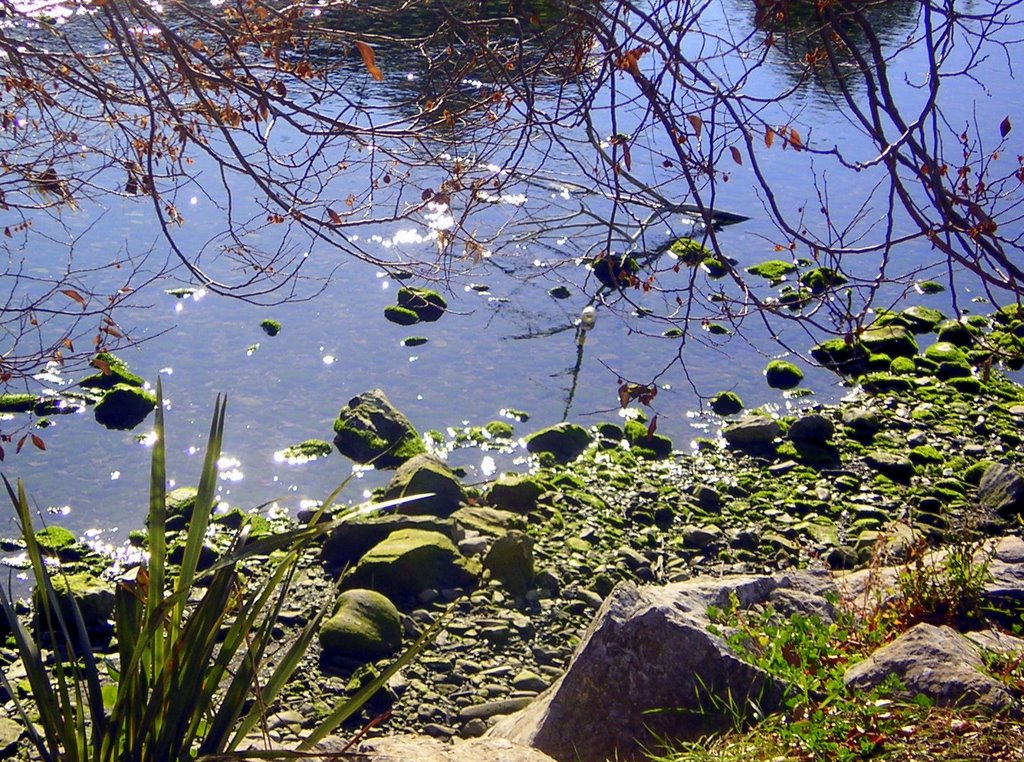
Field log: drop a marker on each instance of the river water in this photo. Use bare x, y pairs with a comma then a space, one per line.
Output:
505, 343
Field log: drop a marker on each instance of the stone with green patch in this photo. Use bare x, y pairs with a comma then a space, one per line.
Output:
369, 429
366, 626
270, 327
409, 561
772, 270
564, 441
424, 474
426, 304
123, 407
726, 403
781, 374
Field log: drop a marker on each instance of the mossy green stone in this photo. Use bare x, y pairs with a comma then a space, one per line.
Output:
929, 287
690, 252
781, 374
715, 267
124, 407
518, 494
902, 366
848, 358
773, 270
500, 429
426, 304
270, 327
409, 561
400, 315
564, 441
17, 403
822, 279
366, 625
55, 540
726, 403
113, 371
944, 351
922, 319
892, 340
957, 333
308, 450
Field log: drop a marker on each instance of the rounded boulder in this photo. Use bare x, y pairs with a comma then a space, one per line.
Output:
366, 626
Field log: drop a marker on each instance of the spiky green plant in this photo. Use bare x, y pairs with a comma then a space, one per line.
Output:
189, 682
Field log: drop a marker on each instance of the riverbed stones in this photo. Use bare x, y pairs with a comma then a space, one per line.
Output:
564, 441
510, 561
425, 475
410, 561
812, 429
366, 626
891, 340
752, 433
413, 748
518, 494
492, 522
93, 597
369, 429
610, 703
427, 305
1001, 490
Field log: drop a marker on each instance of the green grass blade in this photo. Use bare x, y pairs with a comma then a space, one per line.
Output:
203, 507
157, 517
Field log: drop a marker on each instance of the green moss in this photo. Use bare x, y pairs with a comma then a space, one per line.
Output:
615, 272
311, 449
113, 371
124, 407
822, 279
673, 333
516, 415
781, 374
690, 252
181, 293
500, 429
922, 319
848, 358
55, 539
929, 287
902, 366
773, 270
17, 403
715, 268
717, 329
925, 454
726, 403
270, 327
400, 315
428, 305
943, 351
957, 333
414, 341
966, 385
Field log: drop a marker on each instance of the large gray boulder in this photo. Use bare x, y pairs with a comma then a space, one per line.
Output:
646, 669
369, 429
937, 662
410, 561
1001, 490
425, 475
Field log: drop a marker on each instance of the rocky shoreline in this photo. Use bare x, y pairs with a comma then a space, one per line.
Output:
919, 453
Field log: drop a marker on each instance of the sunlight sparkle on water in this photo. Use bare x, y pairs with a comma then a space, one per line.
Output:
487, 466
115, 475
328, 359
230, 468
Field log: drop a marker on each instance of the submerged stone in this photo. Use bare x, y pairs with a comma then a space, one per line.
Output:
113, 371
270, 327
124, 407
400, 315
822, 279
426, 304
17, 403
369, 429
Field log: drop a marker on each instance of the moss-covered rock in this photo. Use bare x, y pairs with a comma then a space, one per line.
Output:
613, 271
93, 597
306, 451
892, 340
773, 270
726, 403
124, 407
17, 403
414, 341
844, 356
822, 279
944, 351
427, 305
645, 444
500, 429
518, 494
957, 333
400, 315
715, 267
929, 287
112, 371
369, 429
690, 252
349, 541
366, 626
270, 327
922, 319
492, 522
781, 374
57, 541
424, 474
510, 561
410, 561
564, 441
